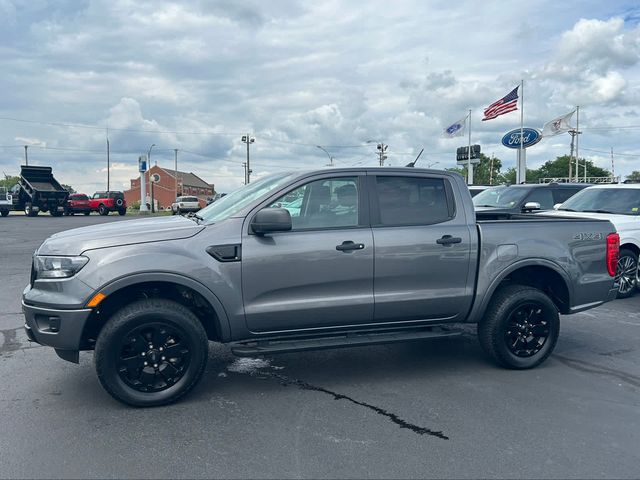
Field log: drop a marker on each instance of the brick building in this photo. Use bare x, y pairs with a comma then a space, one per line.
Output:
164, 191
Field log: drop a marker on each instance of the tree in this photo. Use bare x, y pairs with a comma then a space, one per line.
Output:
634, 176
559, 168
487, 172
9, 181
68, 188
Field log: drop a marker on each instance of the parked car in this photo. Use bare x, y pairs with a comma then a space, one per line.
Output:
77, 203
476, 189
5, 202
185, 205
107, 202
620, 204
506, 200
376, 255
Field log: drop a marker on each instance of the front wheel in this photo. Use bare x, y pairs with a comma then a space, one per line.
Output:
151, 352
4, 213
520, 328
627, 273
88, 212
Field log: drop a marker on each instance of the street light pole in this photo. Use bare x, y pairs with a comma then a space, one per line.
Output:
175, 151
149, 170
26, 157
248, 139
330, 164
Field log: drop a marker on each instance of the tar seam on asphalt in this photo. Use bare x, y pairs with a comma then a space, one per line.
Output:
593, 368
338, 396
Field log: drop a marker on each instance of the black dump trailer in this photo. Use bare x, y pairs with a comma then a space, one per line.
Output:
37, 191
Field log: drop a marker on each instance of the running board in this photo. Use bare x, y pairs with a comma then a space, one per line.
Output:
351, 339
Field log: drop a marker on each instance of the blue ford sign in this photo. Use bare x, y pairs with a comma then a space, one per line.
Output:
530, 137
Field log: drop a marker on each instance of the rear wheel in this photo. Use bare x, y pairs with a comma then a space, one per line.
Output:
88, 212
151, 352
627, 273
520, 328
122, 211
4, 213
102, 210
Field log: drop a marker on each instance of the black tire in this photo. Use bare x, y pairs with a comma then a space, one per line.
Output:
88, 212
102, 210
507, 317
122, 212
627, 273
29, 211
4, 213
55, 213
144, 321
179, 212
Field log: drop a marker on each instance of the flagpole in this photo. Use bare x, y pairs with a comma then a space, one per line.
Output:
469, 166
522, 165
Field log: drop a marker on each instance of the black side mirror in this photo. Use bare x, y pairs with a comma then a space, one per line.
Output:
271, 220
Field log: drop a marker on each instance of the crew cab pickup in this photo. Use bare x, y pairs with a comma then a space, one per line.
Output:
371, 255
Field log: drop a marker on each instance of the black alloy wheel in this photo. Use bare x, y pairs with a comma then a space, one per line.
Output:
151, 352
520, 327
626, 273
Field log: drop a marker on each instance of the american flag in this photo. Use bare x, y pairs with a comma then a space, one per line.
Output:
506, 104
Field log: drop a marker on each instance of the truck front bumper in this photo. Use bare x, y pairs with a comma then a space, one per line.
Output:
60, 329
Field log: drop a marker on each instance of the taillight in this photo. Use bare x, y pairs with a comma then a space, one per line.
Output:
613, 249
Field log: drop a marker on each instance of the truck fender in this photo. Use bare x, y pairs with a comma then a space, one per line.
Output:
480, 307
145, 277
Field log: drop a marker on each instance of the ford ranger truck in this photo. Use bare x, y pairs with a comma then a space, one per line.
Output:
370, 256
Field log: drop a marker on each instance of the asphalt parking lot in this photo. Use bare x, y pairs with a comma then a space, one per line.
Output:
430, 409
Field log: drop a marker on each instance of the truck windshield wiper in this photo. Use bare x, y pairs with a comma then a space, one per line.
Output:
597, 211
195, 216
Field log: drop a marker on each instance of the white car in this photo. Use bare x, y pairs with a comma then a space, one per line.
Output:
620, 204
185, 205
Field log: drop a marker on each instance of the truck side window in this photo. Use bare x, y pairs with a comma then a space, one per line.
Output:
412, 200
326, 203
561, 195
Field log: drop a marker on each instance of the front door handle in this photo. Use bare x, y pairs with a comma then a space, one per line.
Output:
349, 245
448, 240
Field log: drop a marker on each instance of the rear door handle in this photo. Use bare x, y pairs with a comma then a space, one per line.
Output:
447, 240
349, 245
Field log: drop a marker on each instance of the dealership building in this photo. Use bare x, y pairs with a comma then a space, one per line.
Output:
164, 189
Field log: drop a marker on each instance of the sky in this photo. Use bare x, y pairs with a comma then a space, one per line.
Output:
345, 75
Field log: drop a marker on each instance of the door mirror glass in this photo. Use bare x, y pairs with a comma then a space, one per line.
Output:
270, 220
531, 206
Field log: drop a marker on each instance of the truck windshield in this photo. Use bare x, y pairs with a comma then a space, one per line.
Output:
231, 204
621, 201
500, 197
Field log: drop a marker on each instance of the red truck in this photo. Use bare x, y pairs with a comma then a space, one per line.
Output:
106, 202
77, 203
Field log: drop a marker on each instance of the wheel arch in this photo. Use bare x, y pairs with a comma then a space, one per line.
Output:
630, 246
538, 273
187, 291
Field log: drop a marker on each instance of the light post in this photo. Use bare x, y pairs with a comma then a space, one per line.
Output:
429, 165
175, 151
330, 164
382, 148
149, 170
248, 139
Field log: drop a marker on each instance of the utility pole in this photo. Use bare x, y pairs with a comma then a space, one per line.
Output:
108, 166
613, 170
574, 133
491, 170
382, 148
248, 139
175, 151
26, 157
244, 168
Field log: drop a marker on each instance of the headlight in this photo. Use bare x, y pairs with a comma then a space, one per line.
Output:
57, 267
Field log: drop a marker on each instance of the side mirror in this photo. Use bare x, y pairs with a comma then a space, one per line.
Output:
531, 206
271, 220
557, 206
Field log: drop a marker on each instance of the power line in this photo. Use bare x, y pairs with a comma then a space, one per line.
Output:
609, 152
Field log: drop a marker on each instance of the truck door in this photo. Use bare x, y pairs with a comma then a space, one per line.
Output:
319, 274
423, 249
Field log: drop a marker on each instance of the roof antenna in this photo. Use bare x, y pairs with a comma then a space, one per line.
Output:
413, 164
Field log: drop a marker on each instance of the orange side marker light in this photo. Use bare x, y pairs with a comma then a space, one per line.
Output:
95, 301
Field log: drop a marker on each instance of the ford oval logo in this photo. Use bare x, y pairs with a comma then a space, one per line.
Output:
530, 136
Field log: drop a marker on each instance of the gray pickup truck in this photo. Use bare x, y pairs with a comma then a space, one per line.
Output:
309, 260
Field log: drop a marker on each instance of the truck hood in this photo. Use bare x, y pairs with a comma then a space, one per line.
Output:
114, 234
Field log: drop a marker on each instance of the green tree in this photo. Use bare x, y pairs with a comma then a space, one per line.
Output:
634, 176
68, 188
559, 168
487, 172
9, 181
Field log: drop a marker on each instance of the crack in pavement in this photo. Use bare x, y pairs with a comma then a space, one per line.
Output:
593, 368
286, 381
